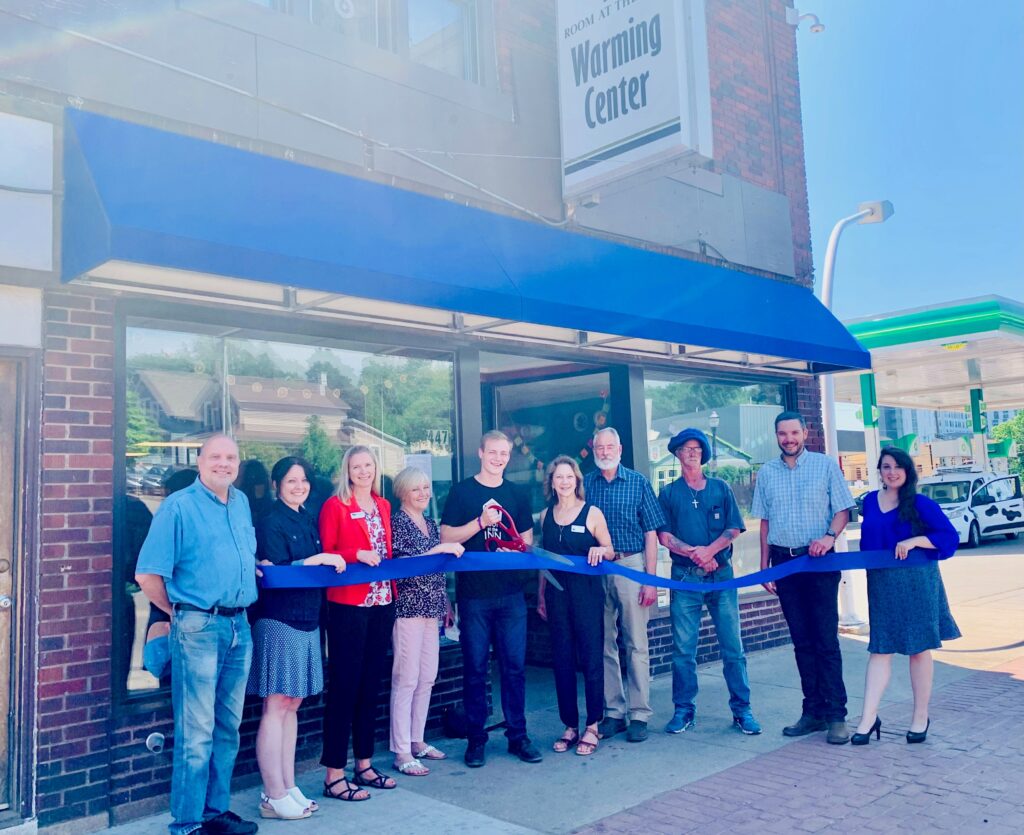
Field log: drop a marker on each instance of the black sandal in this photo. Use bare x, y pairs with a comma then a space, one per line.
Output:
378, 782
348, 794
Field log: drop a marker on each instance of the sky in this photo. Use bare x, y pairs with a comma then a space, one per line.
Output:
919, 102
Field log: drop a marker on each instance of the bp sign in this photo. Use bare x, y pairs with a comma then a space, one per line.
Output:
633, 87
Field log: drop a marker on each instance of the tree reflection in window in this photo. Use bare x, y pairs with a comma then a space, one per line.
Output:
275, 398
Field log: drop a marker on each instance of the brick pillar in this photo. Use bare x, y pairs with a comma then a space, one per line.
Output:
75, 558
808, 403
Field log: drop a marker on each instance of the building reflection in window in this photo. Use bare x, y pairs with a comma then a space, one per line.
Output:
743, 440
275, 398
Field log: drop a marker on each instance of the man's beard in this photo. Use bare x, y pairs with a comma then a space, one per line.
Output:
607, 463
795, 453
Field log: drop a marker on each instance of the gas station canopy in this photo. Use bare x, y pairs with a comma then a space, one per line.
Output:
932, 357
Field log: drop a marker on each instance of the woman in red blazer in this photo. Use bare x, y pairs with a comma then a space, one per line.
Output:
356, 523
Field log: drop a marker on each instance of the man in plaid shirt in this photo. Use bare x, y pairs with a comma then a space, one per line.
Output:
634, 516
804, 504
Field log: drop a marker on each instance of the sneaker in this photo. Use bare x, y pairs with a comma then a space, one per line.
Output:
682, 720
475, 755
525, 750
228, 823
805, 725
748, 724
611, 725
637, 731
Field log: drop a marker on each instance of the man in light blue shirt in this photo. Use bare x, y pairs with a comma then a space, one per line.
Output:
198, 564
804, 504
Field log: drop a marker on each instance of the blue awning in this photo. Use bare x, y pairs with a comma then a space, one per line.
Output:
144, 196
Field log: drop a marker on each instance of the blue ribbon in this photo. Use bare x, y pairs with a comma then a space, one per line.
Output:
323, 576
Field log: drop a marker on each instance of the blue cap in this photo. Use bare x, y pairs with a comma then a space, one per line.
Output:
691, 434
156, 656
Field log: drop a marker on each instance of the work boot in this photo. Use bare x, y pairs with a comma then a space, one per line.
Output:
805, 725
637, 730
838, 733
611, 725
475, 755
525, 750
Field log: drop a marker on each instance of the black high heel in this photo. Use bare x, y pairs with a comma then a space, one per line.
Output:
876, 729
919, 736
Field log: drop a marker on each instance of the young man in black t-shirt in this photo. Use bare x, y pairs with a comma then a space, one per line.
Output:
491, 603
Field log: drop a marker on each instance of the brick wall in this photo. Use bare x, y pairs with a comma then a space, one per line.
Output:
75, 558
808, 403
755, 107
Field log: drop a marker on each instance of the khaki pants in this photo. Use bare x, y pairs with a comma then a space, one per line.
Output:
621, 605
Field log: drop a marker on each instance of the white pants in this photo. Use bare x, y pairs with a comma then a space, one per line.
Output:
416, 645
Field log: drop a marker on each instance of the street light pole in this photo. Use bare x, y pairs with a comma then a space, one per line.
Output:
876, 212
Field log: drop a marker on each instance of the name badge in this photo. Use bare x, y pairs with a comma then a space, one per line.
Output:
359, 515
578, 529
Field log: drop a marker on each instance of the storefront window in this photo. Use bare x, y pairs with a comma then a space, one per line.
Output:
275, 398
739, 420
435, 33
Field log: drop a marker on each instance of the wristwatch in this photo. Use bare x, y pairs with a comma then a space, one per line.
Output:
832, 533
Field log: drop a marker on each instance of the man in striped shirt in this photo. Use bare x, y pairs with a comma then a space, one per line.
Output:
804, 504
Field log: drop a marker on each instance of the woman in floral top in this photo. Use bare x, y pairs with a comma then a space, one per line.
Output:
356, 523
422, 602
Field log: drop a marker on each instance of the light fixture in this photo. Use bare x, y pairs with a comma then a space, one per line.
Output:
794, 18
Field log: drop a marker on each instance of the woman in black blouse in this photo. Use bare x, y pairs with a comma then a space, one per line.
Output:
422, 603
286, 664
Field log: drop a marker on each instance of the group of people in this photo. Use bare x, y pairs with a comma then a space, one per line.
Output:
200, 561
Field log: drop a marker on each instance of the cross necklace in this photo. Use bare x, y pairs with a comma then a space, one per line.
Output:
693, 493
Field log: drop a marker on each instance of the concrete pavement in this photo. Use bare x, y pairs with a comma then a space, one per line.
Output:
715, 779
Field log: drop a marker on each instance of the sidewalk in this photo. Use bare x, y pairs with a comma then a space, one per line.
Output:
714, 779
968, 776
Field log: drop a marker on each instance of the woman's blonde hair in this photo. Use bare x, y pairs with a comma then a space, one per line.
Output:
344, 485
409, 479
549, 490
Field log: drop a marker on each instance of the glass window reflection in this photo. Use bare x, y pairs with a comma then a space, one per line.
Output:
275, 398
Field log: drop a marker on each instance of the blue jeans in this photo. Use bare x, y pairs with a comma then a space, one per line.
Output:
501, 621
210, 657
724, 608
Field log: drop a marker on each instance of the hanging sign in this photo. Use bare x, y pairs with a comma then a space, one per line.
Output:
633, 85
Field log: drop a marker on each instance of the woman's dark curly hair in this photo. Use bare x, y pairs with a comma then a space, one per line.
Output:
907, 508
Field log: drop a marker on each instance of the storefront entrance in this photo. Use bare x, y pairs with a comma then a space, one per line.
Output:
547, 408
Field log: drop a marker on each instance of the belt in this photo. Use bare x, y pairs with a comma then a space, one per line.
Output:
788, 552
226, 611
621, 555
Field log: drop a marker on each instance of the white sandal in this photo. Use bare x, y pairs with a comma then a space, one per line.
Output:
302, 800
412, 768
283, 808
429, 752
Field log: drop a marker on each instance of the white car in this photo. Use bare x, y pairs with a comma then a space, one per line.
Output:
979, 504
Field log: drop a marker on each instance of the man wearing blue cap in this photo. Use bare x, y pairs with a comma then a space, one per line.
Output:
703, 520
